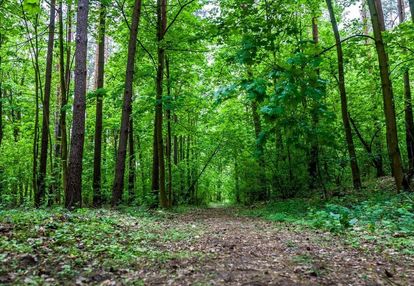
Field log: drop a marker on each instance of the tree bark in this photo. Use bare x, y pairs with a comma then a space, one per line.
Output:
411, 4
159, 145
408, 110
388, 98
41, 179
99, 84
118, 185
141, 165
131, 171
314, 150
169, 136
74, 185
356, 178
381, 18
65, 86
1, 93
262, 195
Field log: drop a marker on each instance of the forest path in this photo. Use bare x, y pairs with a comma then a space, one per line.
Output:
237, 250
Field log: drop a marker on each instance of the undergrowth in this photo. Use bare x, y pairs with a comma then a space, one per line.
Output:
45, 246
383, 217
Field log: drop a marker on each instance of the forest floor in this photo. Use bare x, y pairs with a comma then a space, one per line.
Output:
198, 247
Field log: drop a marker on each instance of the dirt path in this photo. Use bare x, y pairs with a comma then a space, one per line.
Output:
246, 251
201, 247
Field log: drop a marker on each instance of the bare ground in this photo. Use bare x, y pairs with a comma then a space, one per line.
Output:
222, 248
246, 251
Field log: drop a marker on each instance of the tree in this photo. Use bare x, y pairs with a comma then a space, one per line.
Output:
41, 183
411, 4
99, 84
1, 93
388, 96
131, 172
408, 110
314, 149
127, 106
64, 72
356, 178
74, 184
159, 162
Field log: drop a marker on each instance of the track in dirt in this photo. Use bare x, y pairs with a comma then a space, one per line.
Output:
201, 247
247, 251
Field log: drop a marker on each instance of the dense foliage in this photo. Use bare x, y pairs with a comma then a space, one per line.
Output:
222, 101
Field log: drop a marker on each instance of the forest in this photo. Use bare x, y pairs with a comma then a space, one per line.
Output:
206, 142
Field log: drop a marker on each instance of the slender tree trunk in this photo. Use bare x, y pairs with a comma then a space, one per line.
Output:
187, 161
99, 84
131, 172
408, 110
141, 160
237, 180
181, 165
169, 137
74, 184
35, 148
314, 150
161, 28
1, 112
55, 188
262, 196
411, 4
118, 185
1, 93
65, 86
41, 180
34, 48
388, 96
176, 155
155, 162
356, 178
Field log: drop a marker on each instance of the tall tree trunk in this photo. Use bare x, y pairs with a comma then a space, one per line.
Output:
176, 144
41, 180
408, 110
64, 86
161, 28
169, 137
55, 188
262, 196
388, 97
181, 164
99, 84
187, 161
34, 48
356, 178
131, 171
118, 185
314, 150
155, 169
74, 184
1, 93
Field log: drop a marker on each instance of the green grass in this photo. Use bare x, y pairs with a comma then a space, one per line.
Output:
383, 217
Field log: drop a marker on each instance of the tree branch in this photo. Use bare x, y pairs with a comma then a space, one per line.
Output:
344, 40
178, 14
